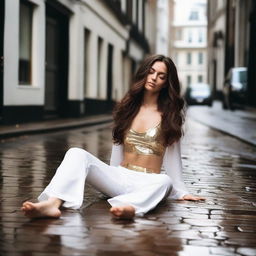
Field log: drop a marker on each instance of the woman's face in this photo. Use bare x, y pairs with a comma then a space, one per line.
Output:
157, 77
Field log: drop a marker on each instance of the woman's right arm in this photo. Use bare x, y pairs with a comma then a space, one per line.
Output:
117, 155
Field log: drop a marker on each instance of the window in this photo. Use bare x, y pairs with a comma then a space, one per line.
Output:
189, 37
87, 35
129, 9
193, 15
178, 34
200, 79
200, 37
100, 45
176, 58
188, 80
118, 4
25, 43
200, 58
189, 58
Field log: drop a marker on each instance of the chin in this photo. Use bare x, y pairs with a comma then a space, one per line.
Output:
150, 89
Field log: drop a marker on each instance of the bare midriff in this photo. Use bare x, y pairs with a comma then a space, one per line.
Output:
150, 162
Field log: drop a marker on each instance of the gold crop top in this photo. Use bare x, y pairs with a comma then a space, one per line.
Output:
144, 143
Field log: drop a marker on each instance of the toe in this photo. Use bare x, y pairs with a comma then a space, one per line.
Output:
28, 207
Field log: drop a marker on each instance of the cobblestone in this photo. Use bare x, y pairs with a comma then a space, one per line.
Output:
216, 166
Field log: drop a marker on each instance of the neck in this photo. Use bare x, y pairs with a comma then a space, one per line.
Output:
150, 100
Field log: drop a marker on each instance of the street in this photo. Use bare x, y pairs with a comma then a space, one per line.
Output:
216, 166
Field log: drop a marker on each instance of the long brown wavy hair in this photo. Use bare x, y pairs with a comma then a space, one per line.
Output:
170, 103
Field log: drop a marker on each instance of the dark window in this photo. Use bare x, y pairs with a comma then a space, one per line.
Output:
118, 3
137, 13
109, 72
200, 58
189, 58
189, 37
200, 79
143, 16
188, 80
129, 7
25, 43
100, 44
87, 34
200, 37
193, 15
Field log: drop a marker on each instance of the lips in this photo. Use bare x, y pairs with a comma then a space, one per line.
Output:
151, 84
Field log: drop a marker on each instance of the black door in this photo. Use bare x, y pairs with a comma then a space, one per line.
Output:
251, 91
52, 65
1, 53
214, 78
56, 62
109, 74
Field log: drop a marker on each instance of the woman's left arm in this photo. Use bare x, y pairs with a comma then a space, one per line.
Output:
173, 166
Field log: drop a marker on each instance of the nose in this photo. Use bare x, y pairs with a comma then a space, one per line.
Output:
154, 76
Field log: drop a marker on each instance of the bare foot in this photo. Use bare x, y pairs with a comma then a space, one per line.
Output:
44, 209
123, 212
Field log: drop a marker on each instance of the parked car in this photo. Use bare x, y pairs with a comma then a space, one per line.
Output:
234, 88
199, 93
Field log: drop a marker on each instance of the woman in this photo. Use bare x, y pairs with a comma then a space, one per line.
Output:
146, 135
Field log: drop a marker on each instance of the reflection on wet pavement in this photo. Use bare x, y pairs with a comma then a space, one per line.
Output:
216, 166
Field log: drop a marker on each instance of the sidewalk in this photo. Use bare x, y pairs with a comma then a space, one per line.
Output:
52, 125
239, 123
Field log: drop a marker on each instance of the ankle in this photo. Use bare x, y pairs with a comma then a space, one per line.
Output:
56, 202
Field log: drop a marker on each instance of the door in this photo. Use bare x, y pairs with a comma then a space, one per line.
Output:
1, 53
52, 66
214, 78
110, 71
56, 68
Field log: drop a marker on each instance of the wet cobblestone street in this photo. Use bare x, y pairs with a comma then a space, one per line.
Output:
216, 166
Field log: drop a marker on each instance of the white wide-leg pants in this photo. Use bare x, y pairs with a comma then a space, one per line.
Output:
125, 187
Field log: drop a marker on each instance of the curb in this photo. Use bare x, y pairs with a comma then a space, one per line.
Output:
225, 132
56, 127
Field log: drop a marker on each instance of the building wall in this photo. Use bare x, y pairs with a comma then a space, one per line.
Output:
162, 27
150, 23
15, 94
216, 44
94, 28
189, 40
231, 31
195, 70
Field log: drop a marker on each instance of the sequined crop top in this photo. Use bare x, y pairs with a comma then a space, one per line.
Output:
144, 143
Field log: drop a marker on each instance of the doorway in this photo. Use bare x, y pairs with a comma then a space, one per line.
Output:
56, 69
110, 73
2, 6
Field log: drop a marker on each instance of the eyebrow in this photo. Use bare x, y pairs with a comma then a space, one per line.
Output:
159, 72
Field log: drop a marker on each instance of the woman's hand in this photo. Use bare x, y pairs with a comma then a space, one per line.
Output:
192, 198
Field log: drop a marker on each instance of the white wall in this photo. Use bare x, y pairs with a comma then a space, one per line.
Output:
100, 23
32, 94
162, 45
86, 14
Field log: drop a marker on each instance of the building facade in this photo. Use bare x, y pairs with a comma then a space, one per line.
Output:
232, 42
188, 40
162, 31
69, 58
